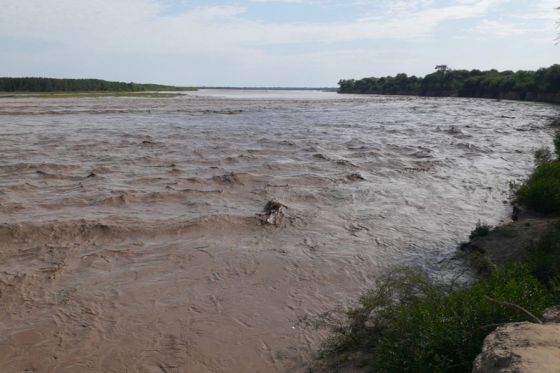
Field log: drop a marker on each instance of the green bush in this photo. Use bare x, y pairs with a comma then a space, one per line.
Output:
542, 155
544, 259
480, 230
446, 335
541, 192
412, 324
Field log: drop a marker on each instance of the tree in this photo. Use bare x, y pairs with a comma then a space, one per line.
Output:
442, 68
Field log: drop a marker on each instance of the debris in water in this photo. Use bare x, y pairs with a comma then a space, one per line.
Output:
230, 179
355, 177
273, 213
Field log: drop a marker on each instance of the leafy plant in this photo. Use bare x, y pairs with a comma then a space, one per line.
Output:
411, 323
444, 334
542, 155
480, 230
544, 258
541, 192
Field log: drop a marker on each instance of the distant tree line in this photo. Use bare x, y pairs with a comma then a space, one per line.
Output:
77, 85
540, 85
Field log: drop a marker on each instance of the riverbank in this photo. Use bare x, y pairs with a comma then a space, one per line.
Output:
147, 94
536, 86
509, 242
412, 322
50, 85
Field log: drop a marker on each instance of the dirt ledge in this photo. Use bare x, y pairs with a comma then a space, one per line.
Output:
509, 242
521, 348
517, 347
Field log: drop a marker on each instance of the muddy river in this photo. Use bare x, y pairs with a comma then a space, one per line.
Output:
130, 236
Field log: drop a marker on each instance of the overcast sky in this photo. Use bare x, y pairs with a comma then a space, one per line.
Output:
270, 42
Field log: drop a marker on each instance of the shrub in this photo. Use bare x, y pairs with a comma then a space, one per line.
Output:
412, 324
542, 155
555, 122
541, 192
513, 189
544, 259
446, 335
480, 230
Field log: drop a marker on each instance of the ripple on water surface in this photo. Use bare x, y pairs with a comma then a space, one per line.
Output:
133, 220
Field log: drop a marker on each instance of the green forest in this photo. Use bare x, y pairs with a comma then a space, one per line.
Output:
78, 85
540, 85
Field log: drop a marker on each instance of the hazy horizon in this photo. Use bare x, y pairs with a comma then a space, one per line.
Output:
271, 43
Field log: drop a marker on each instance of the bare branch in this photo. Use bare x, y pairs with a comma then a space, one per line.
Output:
517, 307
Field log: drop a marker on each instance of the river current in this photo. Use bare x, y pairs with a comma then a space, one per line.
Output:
130, 237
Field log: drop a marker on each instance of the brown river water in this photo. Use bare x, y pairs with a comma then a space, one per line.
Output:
129, 238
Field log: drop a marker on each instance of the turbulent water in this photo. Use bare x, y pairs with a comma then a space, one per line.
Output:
129, 238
